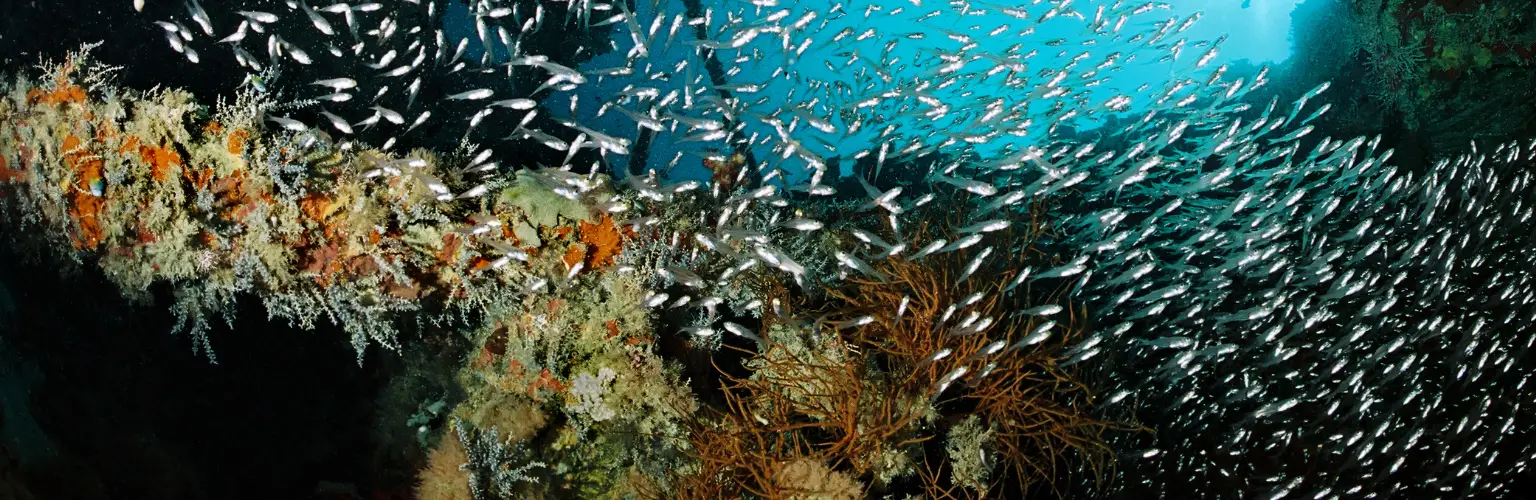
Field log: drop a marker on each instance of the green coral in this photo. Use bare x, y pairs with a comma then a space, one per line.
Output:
540, 207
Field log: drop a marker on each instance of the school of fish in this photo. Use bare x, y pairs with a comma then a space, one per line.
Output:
1294, 316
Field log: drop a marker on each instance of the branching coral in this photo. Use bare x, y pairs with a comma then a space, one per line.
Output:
864, 387
798, 408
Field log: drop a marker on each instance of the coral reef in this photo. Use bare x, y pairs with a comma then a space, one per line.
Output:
573, 383
156, 191
575, 376
867, 395
1448, 72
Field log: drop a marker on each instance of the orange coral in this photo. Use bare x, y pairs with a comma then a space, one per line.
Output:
63, 91
160, 159
60, 94
402, 290
236, 142
558, 232
315, 206
79, 159
603, 242
87, 211
144, 235
199, 178
234, 199
494, 348
319, 208
450, 251
574, 255
130, 144
324, 261
8, 175
86, 206
546, 380
25, 156
726, 170
105, 131
361, 265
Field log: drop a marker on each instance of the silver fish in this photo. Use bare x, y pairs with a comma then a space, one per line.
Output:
472, 95
259, 17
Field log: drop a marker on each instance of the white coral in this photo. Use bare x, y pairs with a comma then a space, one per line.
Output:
967, 449
588, 391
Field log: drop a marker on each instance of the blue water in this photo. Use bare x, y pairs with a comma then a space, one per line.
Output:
1257, 34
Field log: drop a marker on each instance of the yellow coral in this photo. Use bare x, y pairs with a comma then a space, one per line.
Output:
514, 416
441, 479
807, 479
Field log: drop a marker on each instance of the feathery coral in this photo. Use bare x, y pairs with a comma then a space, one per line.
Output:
441, 479
806, 479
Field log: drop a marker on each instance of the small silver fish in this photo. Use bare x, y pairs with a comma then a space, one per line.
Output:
1070, 269
336, 84
288, 123
1168, 342
937, 355
420, 119
472, 95
199, 15
961, 243
389, 114
653, 299
857, 264
1045, 310
740, 331
314, 18
258, 16
985, 226
516, 103
682, 276
338, 122
1035, 336
802, 224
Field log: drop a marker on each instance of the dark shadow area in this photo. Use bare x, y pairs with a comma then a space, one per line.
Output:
131, 412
